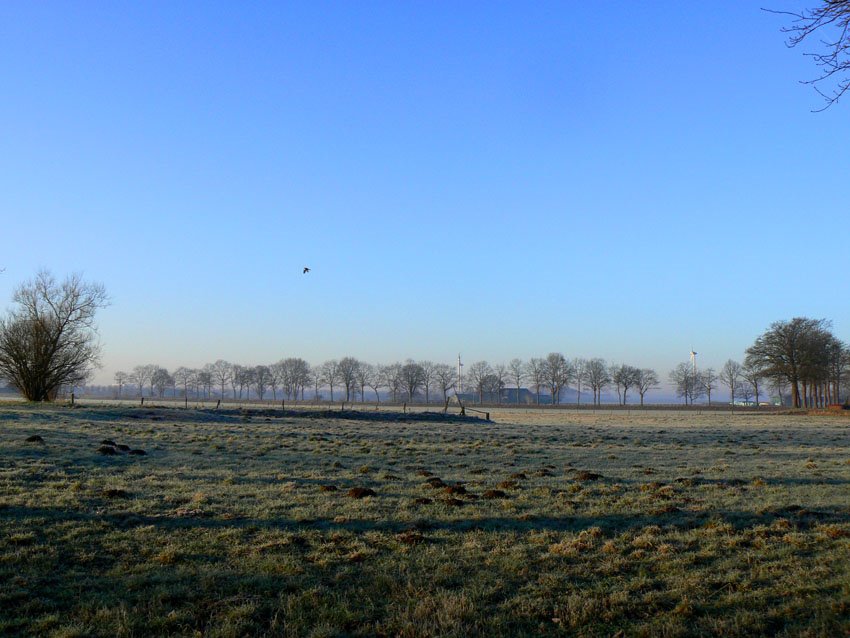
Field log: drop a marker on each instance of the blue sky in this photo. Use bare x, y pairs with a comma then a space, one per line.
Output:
501, 179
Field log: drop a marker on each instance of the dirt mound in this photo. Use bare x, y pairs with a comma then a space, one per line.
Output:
35, 438
587, 476
137, 453
360, 492
107, 450
491, 494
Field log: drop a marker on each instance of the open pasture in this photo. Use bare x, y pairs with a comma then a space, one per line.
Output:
238, 523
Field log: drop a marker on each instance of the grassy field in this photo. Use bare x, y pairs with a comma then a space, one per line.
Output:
539, 523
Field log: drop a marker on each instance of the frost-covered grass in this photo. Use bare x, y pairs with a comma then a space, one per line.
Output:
238, 523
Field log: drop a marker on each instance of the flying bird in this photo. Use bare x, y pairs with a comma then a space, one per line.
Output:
306, 270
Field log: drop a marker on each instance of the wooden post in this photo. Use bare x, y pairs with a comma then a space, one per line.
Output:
143, 401
72, 398
217, 404
404, 407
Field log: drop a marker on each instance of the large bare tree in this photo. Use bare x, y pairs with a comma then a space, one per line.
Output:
828, 24
50, 339
796, 350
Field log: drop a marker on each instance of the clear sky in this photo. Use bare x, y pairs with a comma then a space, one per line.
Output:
500, 179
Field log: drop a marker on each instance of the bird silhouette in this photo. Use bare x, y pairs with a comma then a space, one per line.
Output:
306, 270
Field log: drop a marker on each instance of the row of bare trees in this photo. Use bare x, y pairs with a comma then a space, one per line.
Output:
554, 374
801, 357
350, 379
798, 359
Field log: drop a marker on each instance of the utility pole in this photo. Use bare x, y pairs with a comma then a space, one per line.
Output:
459, 375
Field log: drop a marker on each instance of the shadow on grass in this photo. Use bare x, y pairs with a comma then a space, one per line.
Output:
740, 520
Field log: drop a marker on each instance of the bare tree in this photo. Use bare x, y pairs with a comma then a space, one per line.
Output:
50, 339
221, 373
249, 379
598, 378
687, 384
375, 381
347, 371
184, 377
730, 375
141, 375
791, 349
516, 367
501, 376
646, 379
536, 375
427, 378
277, 373
556, 373
446, 377
363, 377
709, 379
262, 378
745, 392
330, 375
121, 379
237, 378
160, 381
391, 379
477, 373
205, 379
754, 377
624, 376
831, 21
412, 378
302, 374
579, 374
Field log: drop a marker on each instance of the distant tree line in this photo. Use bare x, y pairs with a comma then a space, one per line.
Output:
799, 361
350, 379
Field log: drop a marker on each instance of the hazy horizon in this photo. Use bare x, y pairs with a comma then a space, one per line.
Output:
612, 180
